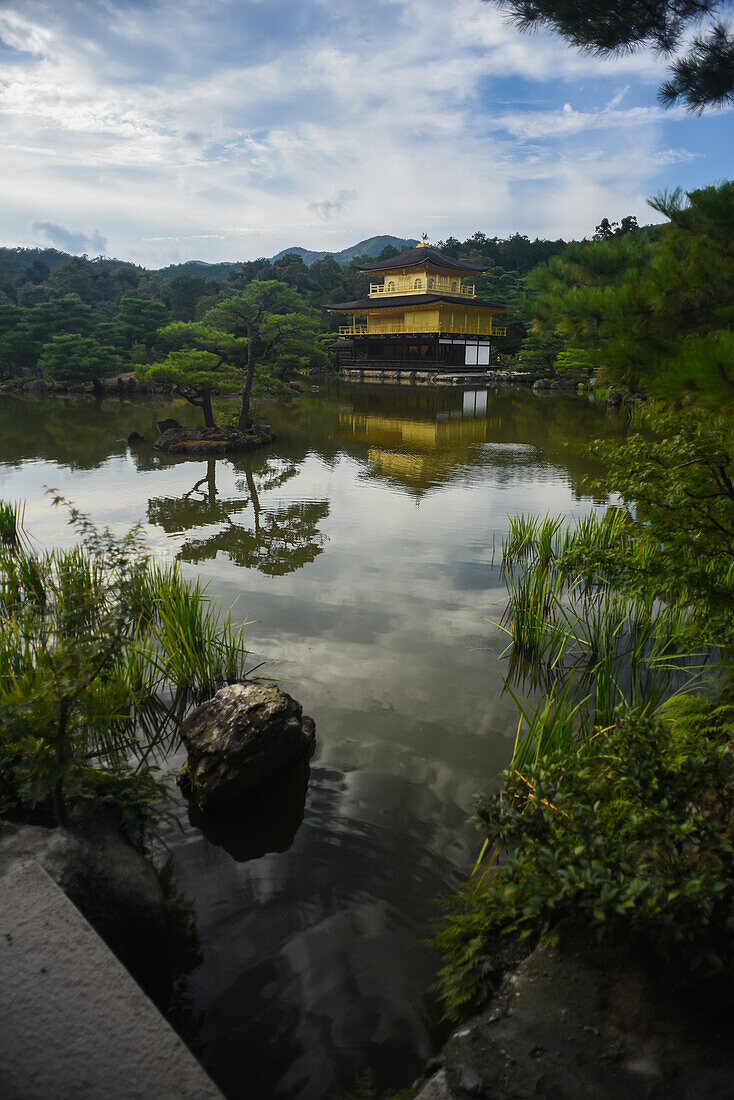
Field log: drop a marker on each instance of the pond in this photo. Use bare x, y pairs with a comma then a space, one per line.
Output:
361, 546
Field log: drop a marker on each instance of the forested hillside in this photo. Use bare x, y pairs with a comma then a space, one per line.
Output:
72, 318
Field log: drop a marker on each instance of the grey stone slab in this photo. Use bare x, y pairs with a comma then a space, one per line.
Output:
436, 1089
73, 1023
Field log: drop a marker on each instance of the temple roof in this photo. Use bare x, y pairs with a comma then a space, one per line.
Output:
419, 257
398, 300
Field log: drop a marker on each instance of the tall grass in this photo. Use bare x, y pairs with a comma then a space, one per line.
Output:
101, 653
582, 642
11, 524
178, 624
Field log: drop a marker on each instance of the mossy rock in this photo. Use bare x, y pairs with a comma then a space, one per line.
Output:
214, 441
240, 739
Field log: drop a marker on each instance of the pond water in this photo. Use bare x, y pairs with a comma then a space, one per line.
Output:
361, 545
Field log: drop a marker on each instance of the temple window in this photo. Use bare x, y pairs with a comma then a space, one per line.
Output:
431, 284
418, 284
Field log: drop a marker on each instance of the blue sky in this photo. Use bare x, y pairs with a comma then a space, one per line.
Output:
165, 130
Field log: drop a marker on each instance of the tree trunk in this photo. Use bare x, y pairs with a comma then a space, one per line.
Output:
59, 804
243, 420
206, 404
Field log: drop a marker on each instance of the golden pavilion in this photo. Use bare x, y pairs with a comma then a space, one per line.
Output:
422, 315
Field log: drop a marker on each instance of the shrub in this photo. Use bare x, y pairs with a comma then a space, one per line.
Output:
632, 833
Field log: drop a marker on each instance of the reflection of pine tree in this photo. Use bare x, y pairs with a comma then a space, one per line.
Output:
280, 539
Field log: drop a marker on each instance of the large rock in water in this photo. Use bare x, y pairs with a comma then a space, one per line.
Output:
213, 441
238, 739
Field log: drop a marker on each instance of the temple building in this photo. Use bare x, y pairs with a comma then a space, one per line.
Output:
422, 315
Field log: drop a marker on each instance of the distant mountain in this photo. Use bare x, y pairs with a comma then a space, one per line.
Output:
373, 246
14, 261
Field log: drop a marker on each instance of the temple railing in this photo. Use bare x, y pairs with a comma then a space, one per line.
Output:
431, 285
386, 328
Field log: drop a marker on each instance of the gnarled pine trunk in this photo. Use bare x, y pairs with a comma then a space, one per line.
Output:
243, 419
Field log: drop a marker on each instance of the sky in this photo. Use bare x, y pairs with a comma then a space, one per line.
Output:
159, 131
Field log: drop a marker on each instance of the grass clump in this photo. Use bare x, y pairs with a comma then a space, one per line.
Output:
11, 524
580, 643
101, 653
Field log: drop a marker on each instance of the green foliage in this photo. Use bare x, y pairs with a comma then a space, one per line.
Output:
68, 314
617, 809
140, 319
704, 76
679, 476
538, 352
281, 326
591, 642
591, 296
280, 329
606, 230
207, 360
18, 351
139, 799
73, 358
632, 832
654, 315
574, 361
249, 340
100, 653
11, 525
516, 253
125, 307
186, 288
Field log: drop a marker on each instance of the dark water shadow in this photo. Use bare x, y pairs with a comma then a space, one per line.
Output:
265, 820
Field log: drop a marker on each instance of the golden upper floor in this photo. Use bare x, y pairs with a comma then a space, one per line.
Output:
421, 282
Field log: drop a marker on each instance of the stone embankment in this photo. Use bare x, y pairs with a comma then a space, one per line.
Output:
111, 883
72, 1020
437, 378
580, 1019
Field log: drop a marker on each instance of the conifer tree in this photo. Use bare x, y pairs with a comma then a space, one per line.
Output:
206, 361
655, 315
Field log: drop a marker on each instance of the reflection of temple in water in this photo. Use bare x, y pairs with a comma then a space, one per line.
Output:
474, 404
421, 453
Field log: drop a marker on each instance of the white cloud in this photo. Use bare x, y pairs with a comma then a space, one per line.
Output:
569, 121
165, 124
328, 209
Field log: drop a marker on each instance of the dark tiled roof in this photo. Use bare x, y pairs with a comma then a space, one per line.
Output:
421, 256
392, 300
